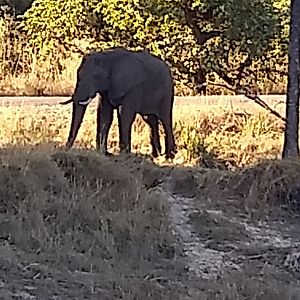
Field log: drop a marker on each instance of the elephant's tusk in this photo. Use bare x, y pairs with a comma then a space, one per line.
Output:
86, 102
97, 97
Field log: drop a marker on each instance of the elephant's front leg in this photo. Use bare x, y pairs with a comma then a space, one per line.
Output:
104, 121
126, 118
119, 110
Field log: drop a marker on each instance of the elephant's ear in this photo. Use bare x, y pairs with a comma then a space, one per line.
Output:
98, 74
126, 73
92, 78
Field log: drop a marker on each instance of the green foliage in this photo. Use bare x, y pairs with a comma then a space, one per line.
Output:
47, 20
109, 23
191, 140
250, 32
251, 35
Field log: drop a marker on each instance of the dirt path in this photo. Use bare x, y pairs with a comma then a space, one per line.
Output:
221, 247
201, 261
202, 100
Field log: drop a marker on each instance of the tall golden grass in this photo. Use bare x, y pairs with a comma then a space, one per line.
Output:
229, 138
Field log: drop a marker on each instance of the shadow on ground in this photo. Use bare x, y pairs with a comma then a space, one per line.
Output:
85, 226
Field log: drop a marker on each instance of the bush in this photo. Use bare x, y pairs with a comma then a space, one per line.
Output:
93, 25
54, 32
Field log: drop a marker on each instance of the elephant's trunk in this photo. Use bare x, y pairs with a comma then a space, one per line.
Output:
77, 117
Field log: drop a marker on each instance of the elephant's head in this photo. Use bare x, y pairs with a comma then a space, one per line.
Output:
110, 75
92, 81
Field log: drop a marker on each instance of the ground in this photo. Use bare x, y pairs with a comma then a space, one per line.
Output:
79, 225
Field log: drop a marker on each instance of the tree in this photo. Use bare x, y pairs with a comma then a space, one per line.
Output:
291, 135
239, 41
97, 25
243, 39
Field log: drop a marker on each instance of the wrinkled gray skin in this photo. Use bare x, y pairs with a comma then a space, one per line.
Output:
132, 82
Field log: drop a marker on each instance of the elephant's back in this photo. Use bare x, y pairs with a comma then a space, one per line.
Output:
157, 72
153, 63
158, 85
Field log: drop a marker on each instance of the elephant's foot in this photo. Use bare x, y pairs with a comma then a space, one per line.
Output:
103, 151
67, 148
154, 154
125, 153
124, 149
106, 153
171, 154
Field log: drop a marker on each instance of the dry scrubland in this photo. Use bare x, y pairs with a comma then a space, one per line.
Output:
79, 225
205, 134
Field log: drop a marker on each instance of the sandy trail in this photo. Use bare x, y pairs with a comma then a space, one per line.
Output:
208, 260
233, 101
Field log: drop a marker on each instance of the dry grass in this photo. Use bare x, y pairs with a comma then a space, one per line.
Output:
81, 226
235, 139
263, 186
78, 225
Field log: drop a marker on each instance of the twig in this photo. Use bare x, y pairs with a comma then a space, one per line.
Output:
250, 96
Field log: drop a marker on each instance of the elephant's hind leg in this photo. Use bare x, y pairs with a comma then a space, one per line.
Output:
104, 121
169, 137
152, 121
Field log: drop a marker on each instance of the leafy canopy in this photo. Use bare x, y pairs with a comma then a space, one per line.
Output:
234, 39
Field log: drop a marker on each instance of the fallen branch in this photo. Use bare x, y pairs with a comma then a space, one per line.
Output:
249, 95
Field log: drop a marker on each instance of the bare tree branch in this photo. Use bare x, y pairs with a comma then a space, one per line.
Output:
202, 37
225, 77
251, 96
247, 63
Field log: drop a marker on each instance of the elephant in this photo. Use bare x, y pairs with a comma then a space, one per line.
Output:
133, 82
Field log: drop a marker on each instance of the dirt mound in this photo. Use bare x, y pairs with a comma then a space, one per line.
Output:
86, 226
270, 182
77, 224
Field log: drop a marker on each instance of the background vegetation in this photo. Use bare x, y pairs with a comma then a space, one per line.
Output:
241, 44
219, 138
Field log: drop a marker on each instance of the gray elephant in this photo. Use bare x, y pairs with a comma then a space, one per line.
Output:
131, 82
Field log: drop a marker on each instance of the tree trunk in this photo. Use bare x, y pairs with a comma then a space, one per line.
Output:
291, 135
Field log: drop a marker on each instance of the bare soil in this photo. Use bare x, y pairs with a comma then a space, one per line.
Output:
77, 225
